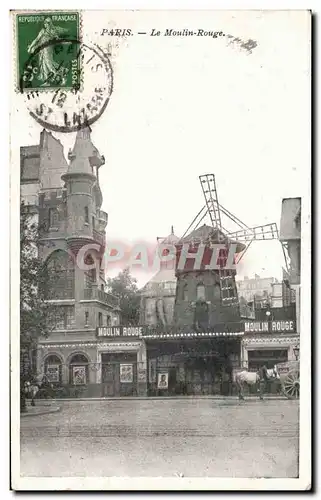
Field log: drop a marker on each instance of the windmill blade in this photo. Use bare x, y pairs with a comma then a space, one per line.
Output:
210, 194
265, 232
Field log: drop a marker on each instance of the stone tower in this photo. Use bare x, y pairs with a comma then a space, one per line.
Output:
84, 197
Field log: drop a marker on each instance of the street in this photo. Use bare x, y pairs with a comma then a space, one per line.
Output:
193, 437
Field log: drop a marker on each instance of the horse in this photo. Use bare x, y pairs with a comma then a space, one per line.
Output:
253, 378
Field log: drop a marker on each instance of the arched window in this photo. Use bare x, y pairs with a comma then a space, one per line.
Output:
185, 293
53, 369
60, 279
78, 370
200, 292
90, 274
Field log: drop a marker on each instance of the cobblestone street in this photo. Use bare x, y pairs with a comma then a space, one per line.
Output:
194, 437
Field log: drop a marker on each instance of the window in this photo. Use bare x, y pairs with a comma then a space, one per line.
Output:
53, 370
60, 279
100, 319
102, 288
53, 217
86, 215
64, 317
86, 318
93, 222
108, 320
185, 293
90, 275
200, 292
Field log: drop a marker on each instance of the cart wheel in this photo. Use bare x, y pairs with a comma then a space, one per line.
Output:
291, 385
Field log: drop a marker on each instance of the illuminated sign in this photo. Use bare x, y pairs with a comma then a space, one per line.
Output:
288, 326
150, 333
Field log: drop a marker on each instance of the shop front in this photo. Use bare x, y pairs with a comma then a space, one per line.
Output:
269, 343
195, 364
112, 365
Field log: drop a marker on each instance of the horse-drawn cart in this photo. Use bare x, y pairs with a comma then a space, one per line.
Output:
290, 378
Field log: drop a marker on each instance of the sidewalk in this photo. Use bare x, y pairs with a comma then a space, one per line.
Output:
41, 408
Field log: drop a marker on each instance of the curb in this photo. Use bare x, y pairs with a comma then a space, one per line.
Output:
41, 412
169, 398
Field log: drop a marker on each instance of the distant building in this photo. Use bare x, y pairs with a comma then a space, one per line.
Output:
256, 290
290, 236
158, 295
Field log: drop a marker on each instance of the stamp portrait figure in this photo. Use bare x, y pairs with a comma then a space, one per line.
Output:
49, 69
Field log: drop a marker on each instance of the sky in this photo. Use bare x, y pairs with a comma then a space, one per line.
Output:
183, 107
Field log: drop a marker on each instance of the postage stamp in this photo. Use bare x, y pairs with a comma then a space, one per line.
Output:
47, 50
66, 83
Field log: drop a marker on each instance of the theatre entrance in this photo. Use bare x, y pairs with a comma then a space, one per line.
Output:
192, 367
118, 374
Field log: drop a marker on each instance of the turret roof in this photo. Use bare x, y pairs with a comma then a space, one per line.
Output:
82, 151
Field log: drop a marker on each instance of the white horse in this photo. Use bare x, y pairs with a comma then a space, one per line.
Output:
264, 374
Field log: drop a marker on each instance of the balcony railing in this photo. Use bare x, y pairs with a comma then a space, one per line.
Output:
103, 216
96, 294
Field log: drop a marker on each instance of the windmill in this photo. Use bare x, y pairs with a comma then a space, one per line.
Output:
227, 228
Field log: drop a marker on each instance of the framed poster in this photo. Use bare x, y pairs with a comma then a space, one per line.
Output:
126, 374
79, 375
52, 373
162, 382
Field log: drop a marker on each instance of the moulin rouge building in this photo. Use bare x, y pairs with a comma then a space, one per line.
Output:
198, 334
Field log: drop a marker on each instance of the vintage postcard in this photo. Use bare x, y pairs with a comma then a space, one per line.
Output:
160, 250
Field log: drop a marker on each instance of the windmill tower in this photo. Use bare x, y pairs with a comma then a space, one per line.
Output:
207, 298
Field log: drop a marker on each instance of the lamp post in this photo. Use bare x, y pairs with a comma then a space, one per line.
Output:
269, 318
296, 350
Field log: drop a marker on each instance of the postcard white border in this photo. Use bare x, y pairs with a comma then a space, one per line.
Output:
164, 483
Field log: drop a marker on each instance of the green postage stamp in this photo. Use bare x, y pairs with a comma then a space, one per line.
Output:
48, 55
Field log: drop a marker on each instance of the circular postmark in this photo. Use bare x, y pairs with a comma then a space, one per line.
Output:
76, 94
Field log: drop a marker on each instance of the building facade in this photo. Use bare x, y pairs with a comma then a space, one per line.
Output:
66, 199
196, 353
191, 333
274, 336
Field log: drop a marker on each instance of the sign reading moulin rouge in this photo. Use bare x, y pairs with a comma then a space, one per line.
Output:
270, 326
120, 331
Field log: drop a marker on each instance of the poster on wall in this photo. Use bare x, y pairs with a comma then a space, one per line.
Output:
52, 373
162, 381
126, 374
79, 375
152, 371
